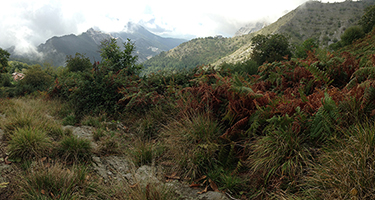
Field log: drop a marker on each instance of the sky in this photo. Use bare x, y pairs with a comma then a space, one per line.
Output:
28, 23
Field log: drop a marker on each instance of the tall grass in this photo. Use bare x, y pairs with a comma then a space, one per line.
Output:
29, 113
346, 169
27, 143
190, 143
75, 150
56, 182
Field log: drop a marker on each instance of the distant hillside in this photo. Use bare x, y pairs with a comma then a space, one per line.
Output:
190, 54
55, 49
323, 21
313, 19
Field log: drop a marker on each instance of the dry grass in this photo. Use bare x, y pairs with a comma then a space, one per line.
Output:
29, 113
189, 142
28, 143
56, 182
346, 170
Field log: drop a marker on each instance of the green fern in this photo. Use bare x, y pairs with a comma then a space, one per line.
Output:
227, 156
319, 75
325, 120
239, 86
364, 74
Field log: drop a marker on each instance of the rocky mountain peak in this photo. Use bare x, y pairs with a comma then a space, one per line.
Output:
250, 28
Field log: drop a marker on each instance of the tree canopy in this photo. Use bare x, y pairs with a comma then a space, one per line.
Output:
308, 45
78, 63
367, 21
116, 59
4, 56
270, 48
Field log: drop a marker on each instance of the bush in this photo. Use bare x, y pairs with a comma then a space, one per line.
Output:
35, 80
308, 45
367, 21
98, 91
270, 48
78, 64
4, 56
351, 34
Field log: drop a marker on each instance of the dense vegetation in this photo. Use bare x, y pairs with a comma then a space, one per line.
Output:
293, 127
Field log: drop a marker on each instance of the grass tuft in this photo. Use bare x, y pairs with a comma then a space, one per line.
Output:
75, 150
55, 182
27, 143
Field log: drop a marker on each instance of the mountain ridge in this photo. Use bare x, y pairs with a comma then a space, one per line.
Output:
56, 48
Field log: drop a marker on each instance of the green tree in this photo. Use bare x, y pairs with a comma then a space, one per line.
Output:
35, 79
351, 34
78, 63
116, 60
4, 56
270, 48
308, 45
367, 21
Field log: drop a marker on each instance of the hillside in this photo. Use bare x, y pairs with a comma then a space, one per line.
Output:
195, 52
313, 19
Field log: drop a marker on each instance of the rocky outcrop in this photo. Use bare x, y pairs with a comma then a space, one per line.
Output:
250, 28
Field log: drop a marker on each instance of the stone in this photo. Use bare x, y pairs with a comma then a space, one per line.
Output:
145, 175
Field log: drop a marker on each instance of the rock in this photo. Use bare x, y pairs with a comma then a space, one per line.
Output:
211, 195
188, 193
4, 170
100, 168
145, 175
81, 132
112, 166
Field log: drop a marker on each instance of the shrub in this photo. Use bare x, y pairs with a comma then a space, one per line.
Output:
35, 79
367, 21
308, 45
351, 34
270, 48
78, 64
27, 143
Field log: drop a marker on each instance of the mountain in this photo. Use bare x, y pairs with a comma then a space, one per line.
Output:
55, 49
250, 28
323, 21
147, 44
